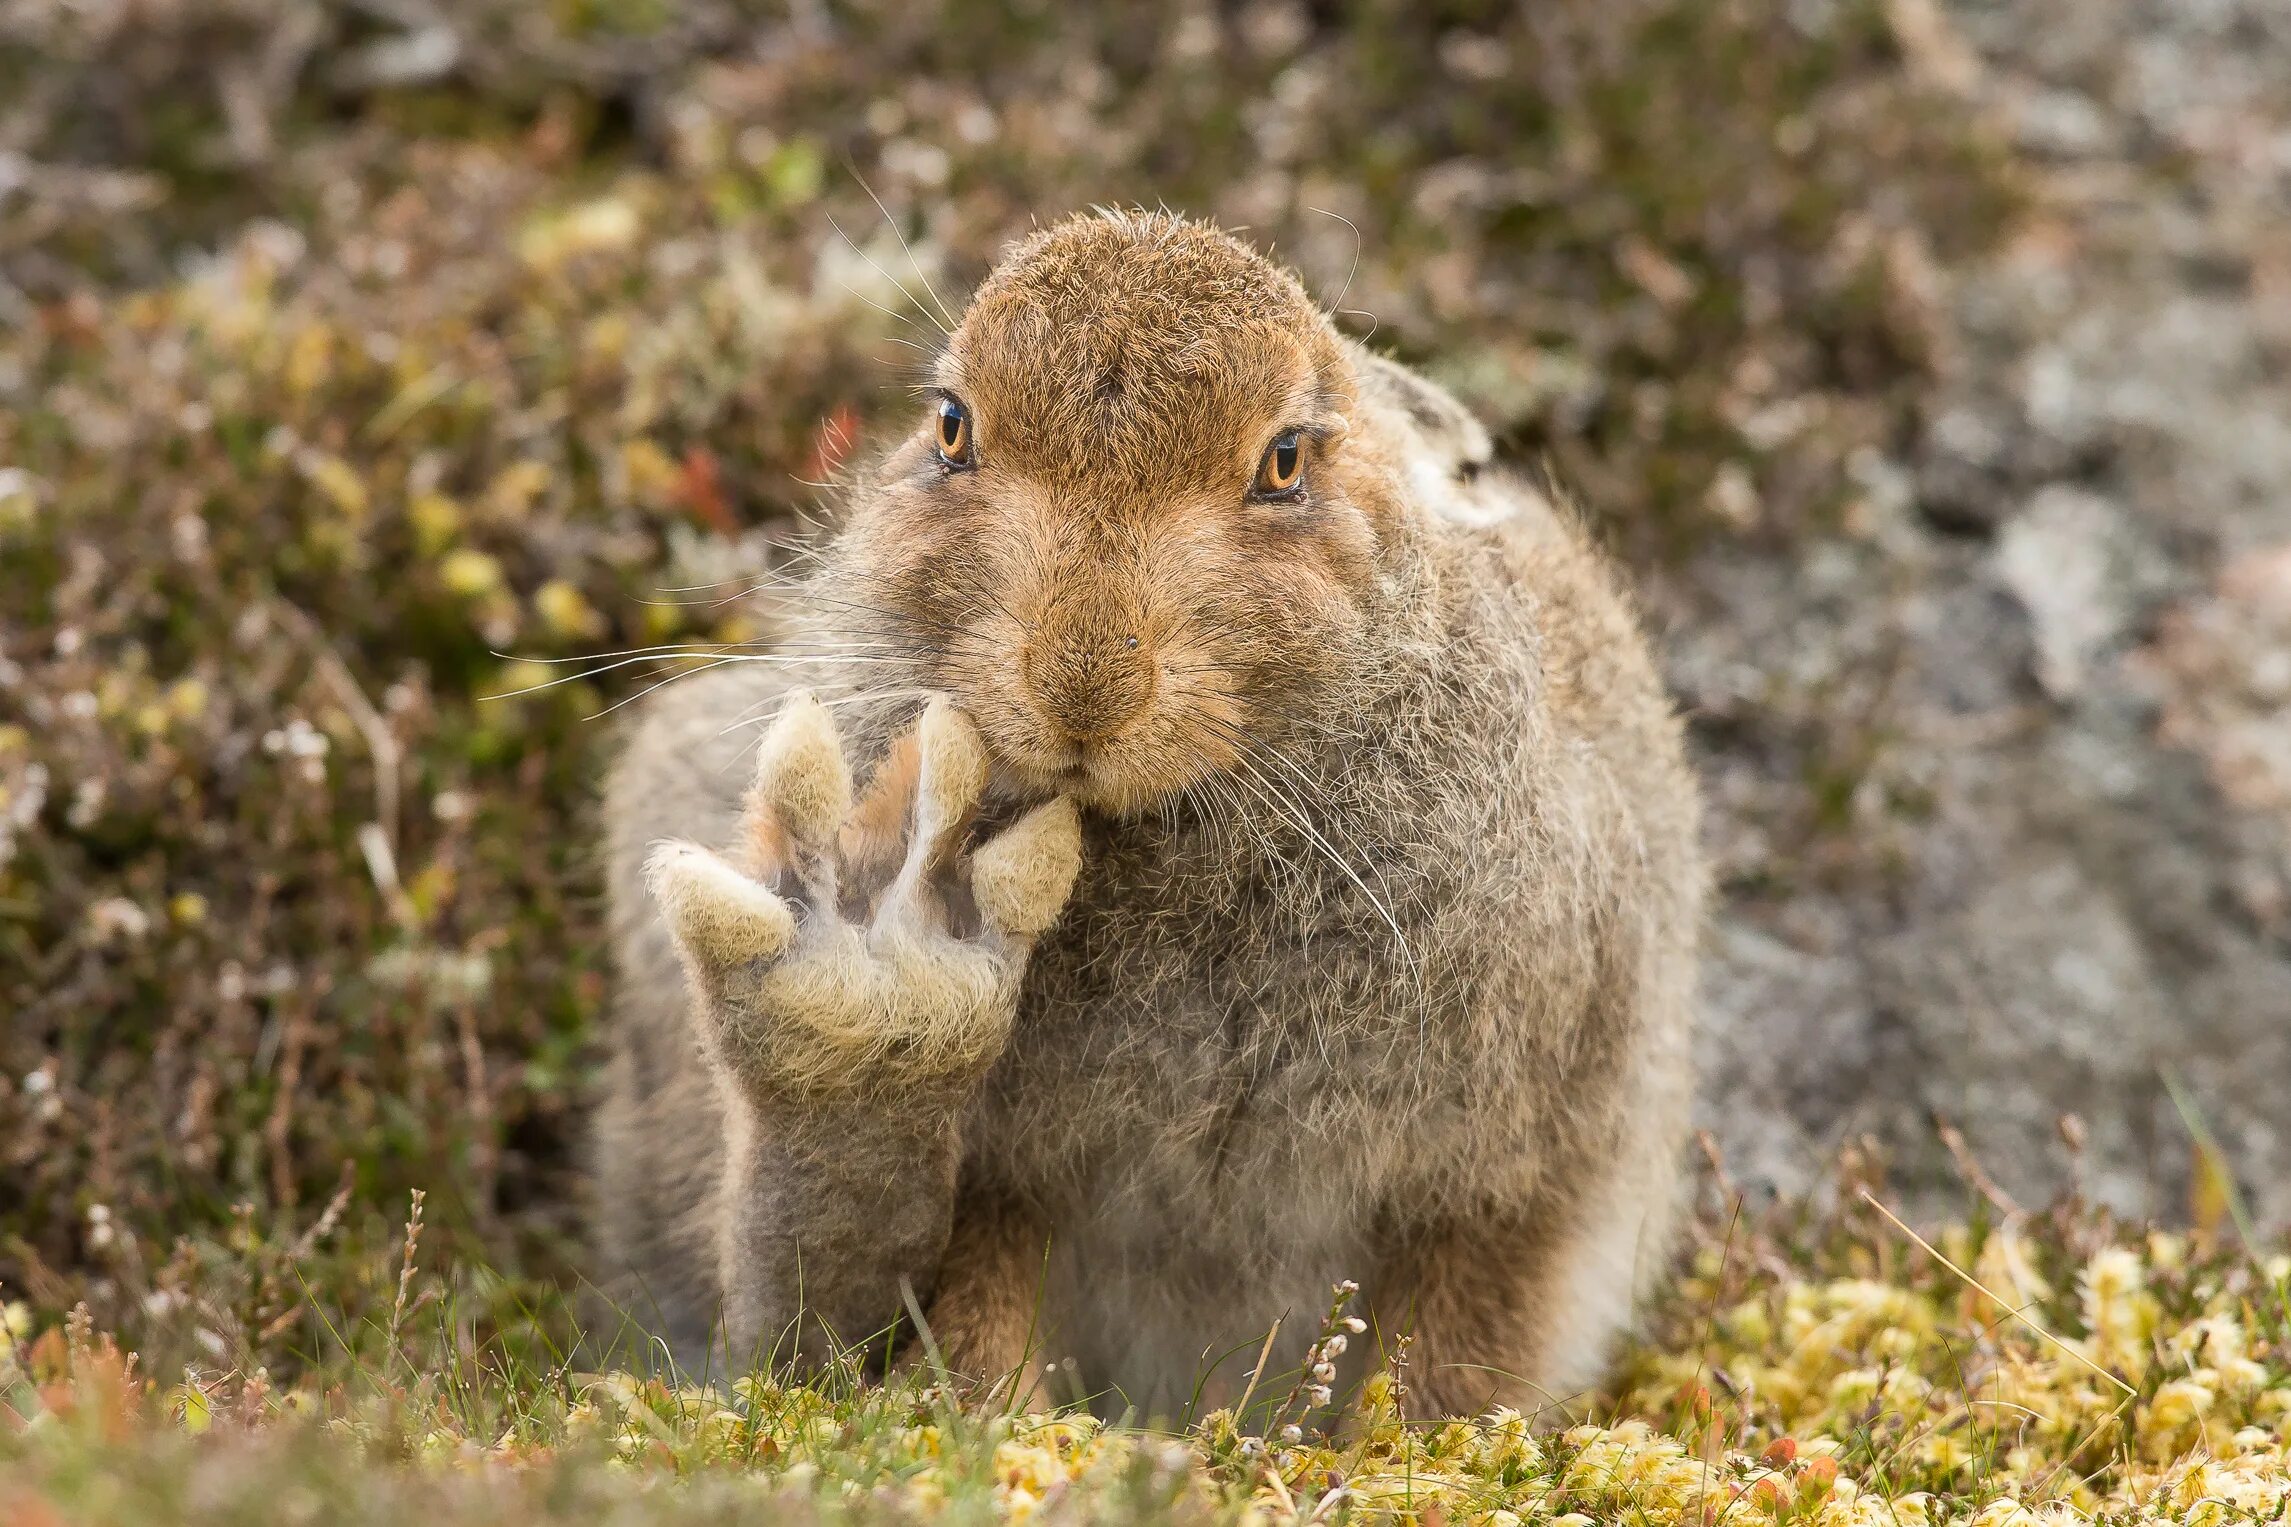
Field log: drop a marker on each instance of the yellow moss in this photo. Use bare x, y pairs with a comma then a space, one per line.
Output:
470, 573
436, 520
338, 481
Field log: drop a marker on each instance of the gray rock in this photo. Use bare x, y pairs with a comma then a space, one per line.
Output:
2002, 806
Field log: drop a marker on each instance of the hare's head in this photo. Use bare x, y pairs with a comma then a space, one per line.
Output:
1130, 534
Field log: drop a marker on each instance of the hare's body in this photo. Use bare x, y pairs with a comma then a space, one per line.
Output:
1401, 994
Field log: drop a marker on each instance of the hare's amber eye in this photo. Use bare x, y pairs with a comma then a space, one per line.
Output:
1283, 467
954, 433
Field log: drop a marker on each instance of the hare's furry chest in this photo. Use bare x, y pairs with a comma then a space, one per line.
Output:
1206, 1098
1220, 1040
1201, 1159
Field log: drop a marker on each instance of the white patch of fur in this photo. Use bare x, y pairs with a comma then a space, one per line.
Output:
1596, 1281
719, 915
953, 774
1436, 488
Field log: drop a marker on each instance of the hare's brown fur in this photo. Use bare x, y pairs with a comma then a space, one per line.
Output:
1381, 960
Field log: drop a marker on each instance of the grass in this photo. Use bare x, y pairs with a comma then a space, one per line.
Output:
1810, 1368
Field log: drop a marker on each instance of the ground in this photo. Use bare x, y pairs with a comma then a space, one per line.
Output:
1837, 1372
371, 375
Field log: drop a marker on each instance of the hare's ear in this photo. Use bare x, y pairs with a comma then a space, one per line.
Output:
1459, 442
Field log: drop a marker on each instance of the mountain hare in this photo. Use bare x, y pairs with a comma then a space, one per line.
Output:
1276, 864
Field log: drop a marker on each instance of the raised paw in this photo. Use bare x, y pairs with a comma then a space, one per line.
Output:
843, 944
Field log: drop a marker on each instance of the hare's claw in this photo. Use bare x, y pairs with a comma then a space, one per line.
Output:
797, 983
1021, 879
726, 914
720, 916
950, 773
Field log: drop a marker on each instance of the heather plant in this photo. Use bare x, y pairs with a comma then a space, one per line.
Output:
329, 540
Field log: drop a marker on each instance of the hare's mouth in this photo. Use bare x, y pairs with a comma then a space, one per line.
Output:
1072, 770
1096, 777
1132, 764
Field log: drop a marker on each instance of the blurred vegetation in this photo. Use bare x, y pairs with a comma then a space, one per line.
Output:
361, 364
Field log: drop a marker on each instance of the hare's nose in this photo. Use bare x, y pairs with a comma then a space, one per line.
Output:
1088, 681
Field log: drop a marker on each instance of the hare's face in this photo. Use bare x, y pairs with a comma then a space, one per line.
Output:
1130, 532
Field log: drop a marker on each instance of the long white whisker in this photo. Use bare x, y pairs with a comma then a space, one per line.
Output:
1280, 803
1308, 785
605, 662
763, 714
851, 291
1338, 305
886, 275
916, 265
683, 649
725, 661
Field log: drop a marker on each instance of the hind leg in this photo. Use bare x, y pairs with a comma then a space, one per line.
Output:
1525, 1311
986, 1315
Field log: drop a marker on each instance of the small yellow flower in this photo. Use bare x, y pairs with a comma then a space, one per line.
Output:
515, 488
2004, 1511
2118, 1309
471, 574
309, 360
602, 225
436, 520
2004, 1266
607, 336
338, 481
566, 611
653, 477
196, 1410
2177, 1410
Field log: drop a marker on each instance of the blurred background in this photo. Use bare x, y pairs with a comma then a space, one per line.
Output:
362, 359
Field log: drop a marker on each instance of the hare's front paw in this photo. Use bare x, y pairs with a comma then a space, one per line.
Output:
845, 948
